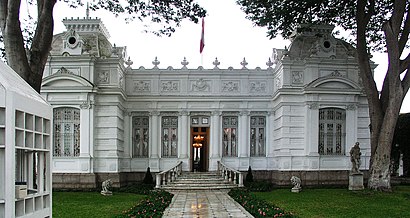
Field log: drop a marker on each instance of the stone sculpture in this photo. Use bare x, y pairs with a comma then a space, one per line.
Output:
296, 184
106, 185
355, 158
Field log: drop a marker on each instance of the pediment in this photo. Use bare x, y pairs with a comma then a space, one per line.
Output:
66, 80
333, 82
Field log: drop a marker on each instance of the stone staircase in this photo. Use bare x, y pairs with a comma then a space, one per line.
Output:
198, 181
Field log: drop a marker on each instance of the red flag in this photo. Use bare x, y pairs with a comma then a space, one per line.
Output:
202, 42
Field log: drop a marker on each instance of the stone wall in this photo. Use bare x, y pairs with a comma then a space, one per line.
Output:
308, 178
94, 180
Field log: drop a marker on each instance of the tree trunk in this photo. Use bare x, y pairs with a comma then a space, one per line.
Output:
28, 63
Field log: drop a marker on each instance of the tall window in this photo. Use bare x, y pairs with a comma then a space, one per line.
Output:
169, 136
66, 132
140, 131
229, 136
257, 137
332, 133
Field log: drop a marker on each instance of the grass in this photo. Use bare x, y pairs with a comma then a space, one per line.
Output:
341, 202
92, 204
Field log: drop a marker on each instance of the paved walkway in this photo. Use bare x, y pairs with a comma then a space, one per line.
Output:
202, 204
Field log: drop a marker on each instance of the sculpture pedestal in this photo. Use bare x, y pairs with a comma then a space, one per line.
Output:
356, 181
296, 190
106, 193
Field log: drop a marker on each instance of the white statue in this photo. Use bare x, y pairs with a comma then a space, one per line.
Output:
106, 185
296, 184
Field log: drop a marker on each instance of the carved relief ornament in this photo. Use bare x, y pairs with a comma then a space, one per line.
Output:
142, 86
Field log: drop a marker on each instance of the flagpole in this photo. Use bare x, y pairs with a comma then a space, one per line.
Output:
202, 42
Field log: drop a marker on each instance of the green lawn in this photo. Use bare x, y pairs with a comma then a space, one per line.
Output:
92, 204
341, 202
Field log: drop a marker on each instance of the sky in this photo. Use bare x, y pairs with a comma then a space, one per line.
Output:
229, 36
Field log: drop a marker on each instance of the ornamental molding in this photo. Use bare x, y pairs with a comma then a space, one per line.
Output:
244, 113
121, 81
200, 85
139, 113
278, 82
230, 86
297, 77
154, 113
314, 106
216, 113
142, 86
169, 86
184, 113
170, 113
64, 70
259, 113
351, 107
257, 87
230, 113
103, 77
86, 105
200, 113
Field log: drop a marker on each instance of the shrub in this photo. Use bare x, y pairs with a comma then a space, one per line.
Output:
249, 176
256, 207
136, 188
153, 206
148, 177
259, 186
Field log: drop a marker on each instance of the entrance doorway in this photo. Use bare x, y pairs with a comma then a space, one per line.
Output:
199, 149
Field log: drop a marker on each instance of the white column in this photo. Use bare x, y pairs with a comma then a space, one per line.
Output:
128, 135
270, 134
312, 129
154, 135
243, 137
351, 127
215, 134
184, 134
85, 129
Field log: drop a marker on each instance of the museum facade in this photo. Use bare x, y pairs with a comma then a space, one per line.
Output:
299, 115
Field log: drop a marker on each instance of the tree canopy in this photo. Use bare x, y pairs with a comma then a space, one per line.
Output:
27, 51
378, 25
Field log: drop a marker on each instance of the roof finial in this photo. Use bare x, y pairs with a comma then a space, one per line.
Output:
87, 11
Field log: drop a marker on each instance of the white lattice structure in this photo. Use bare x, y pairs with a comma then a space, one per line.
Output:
25, 139
299, 114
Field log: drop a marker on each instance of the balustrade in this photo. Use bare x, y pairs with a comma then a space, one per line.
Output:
230, 174
169, 175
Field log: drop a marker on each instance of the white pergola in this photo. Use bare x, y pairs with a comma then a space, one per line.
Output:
25, 157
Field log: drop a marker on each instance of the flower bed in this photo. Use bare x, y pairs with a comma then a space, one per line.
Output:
153, 206
256, 207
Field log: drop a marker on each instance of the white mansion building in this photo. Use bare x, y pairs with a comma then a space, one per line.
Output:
299, 116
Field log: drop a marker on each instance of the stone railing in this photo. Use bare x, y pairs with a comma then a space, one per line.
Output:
230, 174
169, 175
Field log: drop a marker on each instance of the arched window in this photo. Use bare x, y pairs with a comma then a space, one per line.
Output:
66, 132
332, 131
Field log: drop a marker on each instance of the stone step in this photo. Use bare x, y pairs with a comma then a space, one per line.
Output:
199, 181
195, 181
214, 187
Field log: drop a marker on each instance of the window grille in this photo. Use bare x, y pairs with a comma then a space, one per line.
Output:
66, 132
229, 136
257, 136
169, 136
332, 133
140, 129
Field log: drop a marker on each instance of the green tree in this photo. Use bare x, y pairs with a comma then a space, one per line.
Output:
378, 25
29, 59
